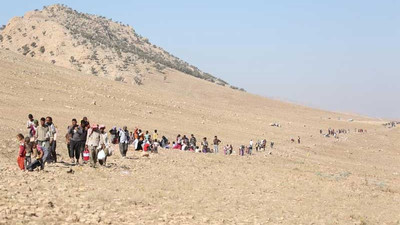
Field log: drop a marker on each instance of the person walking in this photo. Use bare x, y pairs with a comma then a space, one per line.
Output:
216, 143
123, 141
155, 136
74, 137
204, 143
192, 141
21, 152
93, 141
250, 149
53, 139
106, 146
83, 137
43, 139
30, 125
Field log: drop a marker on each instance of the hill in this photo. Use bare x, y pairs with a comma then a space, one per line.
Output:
350, 180
92, 44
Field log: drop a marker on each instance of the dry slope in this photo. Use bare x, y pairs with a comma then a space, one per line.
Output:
353, 180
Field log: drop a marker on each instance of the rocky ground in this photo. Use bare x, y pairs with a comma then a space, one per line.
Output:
352, 180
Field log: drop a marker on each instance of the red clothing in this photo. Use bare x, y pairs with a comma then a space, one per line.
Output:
22, 150
146, 147
21, 162
21, 156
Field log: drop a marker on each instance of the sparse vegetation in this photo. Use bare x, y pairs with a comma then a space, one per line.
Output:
25, 50
119, 78
72, 59
93, 71
108, 43
42, 49
138, 80
104, 36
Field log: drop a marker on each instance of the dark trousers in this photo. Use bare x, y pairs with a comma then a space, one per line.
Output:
75, 149
123, 148
53, 154
35, 164
82, 148
70, 153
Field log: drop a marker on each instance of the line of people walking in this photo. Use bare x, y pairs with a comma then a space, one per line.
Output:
91, 143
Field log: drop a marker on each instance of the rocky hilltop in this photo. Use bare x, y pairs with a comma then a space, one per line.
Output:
92, 44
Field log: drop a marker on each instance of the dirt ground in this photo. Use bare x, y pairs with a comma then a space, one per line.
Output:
351, 180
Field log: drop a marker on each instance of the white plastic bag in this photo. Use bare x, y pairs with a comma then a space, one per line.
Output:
101, 155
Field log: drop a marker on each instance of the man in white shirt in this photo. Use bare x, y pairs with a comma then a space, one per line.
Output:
123, 141
30, 124
250, 147
53, 137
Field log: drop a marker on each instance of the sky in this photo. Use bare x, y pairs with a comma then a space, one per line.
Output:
335, 55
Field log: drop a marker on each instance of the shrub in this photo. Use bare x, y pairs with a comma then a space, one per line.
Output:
119, 78
93, 71
42, 49
25, 49
138, 80
53, 61
34, 44
1, 38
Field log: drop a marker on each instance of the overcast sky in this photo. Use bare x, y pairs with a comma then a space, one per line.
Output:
335, 55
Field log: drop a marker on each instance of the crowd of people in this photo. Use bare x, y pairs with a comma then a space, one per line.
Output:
39, 144
91, 143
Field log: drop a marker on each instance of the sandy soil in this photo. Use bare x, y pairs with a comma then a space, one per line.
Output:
353, 180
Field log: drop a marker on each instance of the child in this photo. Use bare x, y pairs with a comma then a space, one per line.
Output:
146, 148
226, 148
22, 152
241, 150
38, 162
28, 150
204, 143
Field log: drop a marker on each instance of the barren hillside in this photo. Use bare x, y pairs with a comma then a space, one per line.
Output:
48, 60
91, 44
351, 180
